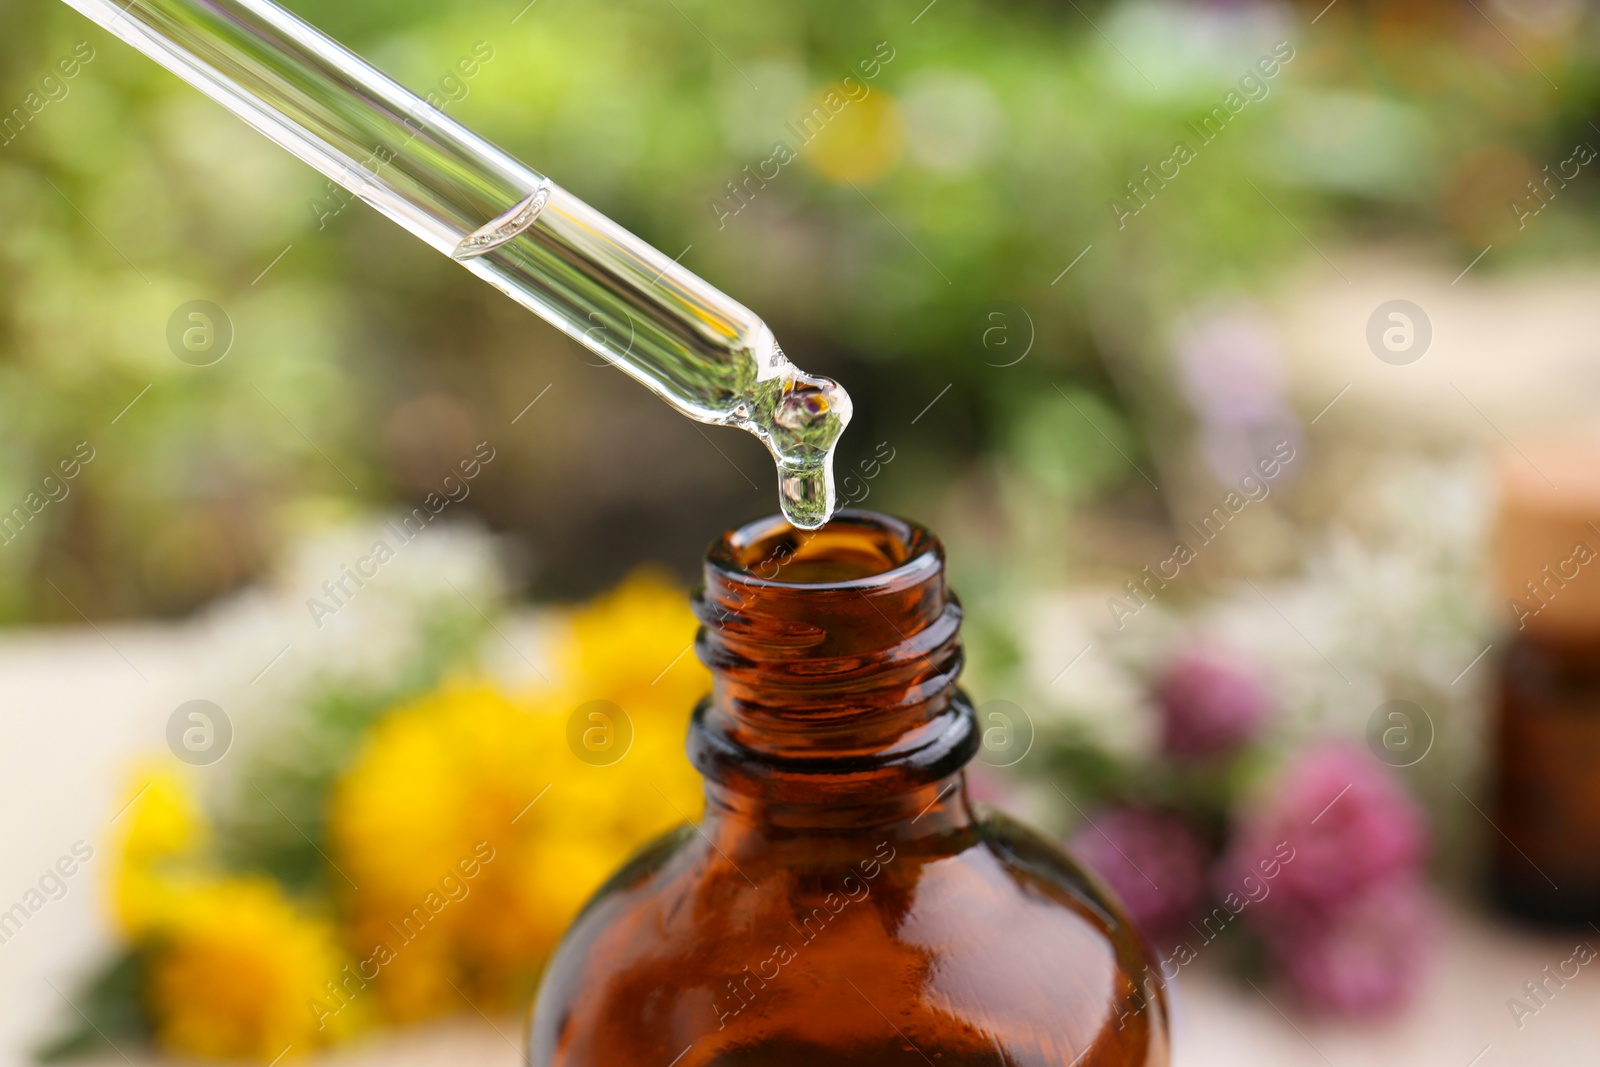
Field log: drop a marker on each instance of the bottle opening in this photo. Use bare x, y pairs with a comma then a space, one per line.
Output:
854, 547
834, 654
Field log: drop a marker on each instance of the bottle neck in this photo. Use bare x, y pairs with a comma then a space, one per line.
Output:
939, 807
834, 656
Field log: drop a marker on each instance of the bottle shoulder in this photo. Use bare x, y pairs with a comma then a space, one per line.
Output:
980, 938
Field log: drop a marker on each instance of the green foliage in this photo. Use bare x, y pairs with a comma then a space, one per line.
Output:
1073, 445
109, 1014
274, 819
1014, 130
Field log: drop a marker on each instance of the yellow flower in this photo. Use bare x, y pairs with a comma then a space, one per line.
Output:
159, 817
634, 646
237, 972
232, 966
161, 827
477, 824
862, 142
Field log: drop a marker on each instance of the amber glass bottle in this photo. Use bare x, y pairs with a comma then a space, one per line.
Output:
1546, 856
842, 904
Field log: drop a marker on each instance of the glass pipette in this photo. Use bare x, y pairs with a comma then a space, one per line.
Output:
704, 353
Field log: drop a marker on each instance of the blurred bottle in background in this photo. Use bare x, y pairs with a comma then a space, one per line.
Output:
1546, 859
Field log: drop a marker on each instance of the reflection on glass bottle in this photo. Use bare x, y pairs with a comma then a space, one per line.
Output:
842, 903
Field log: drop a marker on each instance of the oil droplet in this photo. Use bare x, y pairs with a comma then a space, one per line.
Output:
800, 417
806, 496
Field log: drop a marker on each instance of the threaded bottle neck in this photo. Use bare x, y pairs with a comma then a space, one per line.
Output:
834, 656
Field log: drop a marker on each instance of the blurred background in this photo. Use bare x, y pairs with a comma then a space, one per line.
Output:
1242, 354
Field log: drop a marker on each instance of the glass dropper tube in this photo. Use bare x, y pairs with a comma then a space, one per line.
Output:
704, 353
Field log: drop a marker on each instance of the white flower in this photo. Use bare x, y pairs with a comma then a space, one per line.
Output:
1075, 682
